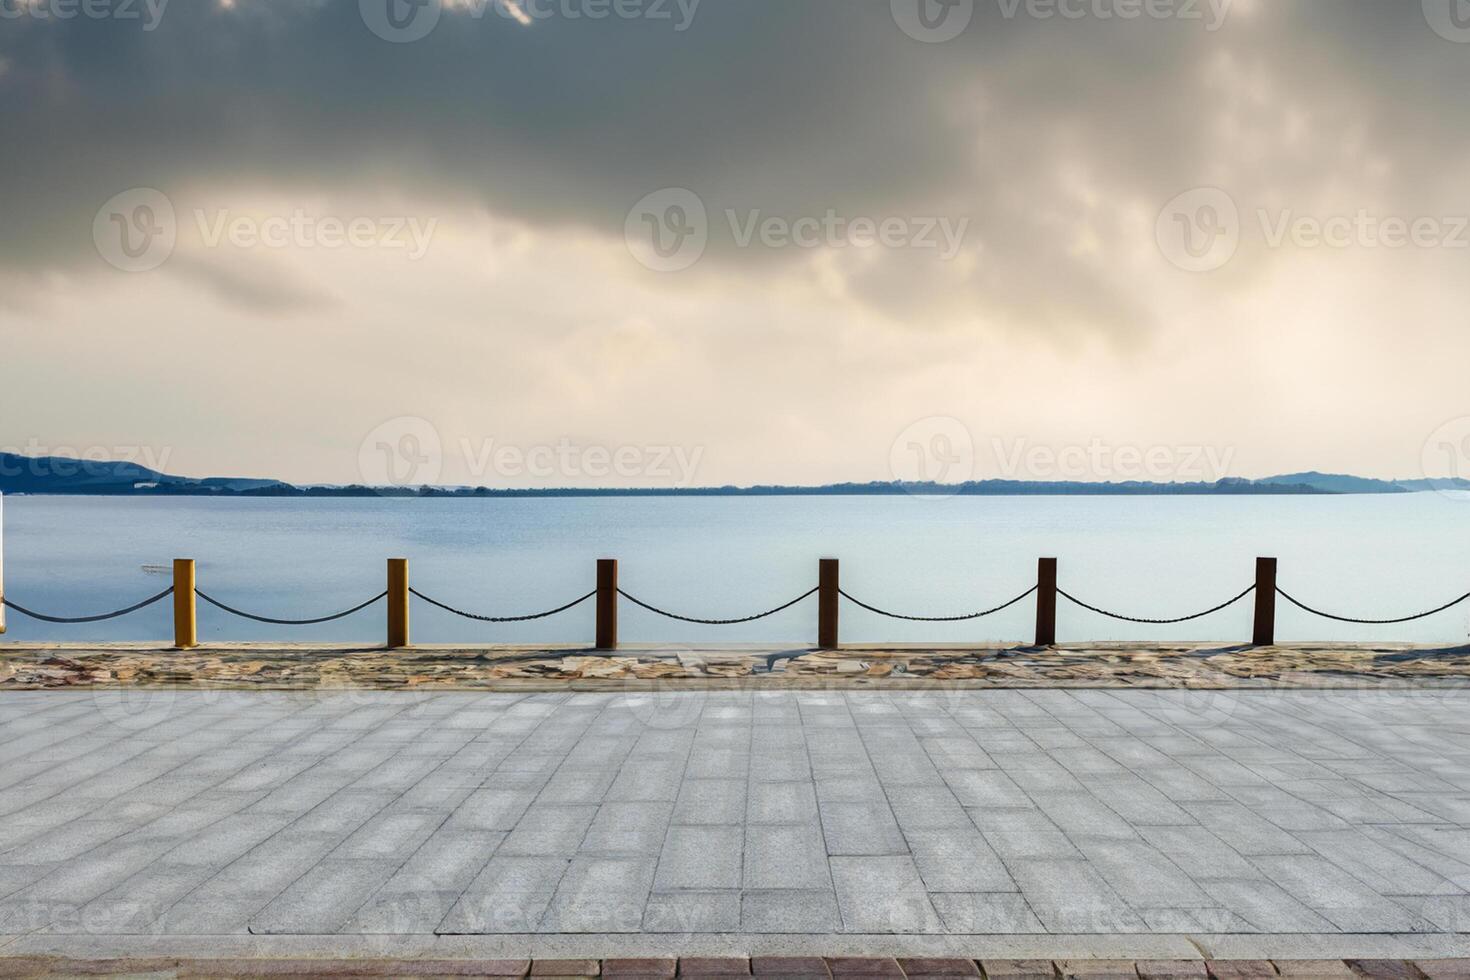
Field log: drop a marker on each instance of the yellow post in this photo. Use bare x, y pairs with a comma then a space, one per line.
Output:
397, 602
186, 626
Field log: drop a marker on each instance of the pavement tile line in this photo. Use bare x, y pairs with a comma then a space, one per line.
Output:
785, 967
1106, 812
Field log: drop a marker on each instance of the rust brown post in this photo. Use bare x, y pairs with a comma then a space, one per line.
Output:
397, 603
607, 604
828, 603
1046, 602
186, 625
1265, 634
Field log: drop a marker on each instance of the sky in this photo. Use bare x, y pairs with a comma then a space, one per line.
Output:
654, 242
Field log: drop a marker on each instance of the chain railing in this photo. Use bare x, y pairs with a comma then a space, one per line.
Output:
828, 592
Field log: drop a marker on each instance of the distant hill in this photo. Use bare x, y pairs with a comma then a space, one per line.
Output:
61, 476
1338, 483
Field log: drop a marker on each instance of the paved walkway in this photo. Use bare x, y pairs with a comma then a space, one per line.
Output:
971, 812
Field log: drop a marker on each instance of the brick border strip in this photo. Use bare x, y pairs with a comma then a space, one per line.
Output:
763, 967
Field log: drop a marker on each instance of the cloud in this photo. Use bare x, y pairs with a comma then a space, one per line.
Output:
1056, 141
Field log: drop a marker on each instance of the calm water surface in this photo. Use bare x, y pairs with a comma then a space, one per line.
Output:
1156, 557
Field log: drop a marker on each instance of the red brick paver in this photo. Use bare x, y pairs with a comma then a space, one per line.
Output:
1315, 969
1019, 969
1172, 969
1098, 970
790, 967
1444, 969
938, 966
566, 968
646, 968
863, 966
714, 966
1385, 969
1240, 969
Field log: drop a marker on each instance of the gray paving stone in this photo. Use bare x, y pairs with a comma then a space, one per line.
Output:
700, 857
958, 861
509, 896
711, 801
861, 828
1266, 907
323, 899
1072, 897
977, 913
1078, 811
791, 856
781, 803
790, 912
686, 912
883, 895
628, 828
549, 830
986, 788
1142, 875
601, 895
1198, 852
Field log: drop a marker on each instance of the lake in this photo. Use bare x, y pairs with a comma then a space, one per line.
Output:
1156, 557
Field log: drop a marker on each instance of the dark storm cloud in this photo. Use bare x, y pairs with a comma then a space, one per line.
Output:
792, 107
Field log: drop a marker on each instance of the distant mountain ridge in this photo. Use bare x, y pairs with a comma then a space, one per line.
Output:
72, 477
